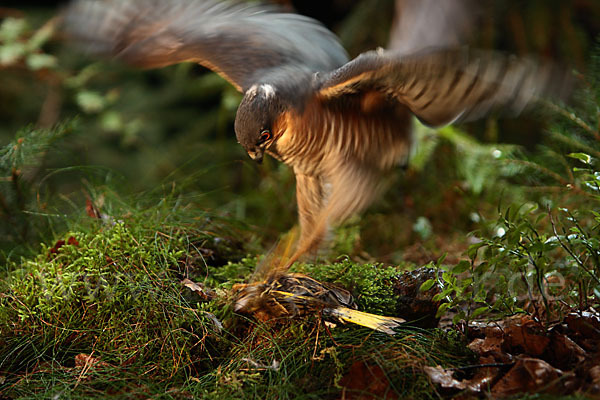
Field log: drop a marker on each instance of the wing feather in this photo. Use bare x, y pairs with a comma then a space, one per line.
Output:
441, 85
239, 41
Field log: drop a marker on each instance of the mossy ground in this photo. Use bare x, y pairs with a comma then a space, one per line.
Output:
111, 290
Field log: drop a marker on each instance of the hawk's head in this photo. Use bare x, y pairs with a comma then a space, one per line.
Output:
259, 109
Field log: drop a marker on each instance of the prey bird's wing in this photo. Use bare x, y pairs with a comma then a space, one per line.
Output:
442, 85
241, 42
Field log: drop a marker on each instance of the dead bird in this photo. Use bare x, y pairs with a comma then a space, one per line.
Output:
296, 295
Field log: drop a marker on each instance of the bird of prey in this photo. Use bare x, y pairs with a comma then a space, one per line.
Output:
339, 124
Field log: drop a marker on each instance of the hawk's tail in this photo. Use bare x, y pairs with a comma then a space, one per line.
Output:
372, 321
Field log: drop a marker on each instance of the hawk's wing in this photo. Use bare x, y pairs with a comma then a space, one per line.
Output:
239, 41
442, 85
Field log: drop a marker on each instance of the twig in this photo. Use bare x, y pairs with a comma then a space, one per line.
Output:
540, 283
568, 250
482, 366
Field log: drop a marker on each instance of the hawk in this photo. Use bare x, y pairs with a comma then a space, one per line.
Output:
340, 124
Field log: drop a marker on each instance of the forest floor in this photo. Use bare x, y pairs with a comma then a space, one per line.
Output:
141, 306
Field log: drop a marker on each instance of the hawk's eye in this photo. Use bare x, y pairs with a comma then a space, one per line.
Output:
264, 136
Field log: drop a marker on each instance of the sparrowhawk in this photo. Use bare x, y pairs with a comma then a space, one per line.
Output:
338, 124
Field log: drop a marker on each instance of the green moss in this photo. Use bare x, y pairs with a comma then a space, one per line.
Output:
370, 283
113, 291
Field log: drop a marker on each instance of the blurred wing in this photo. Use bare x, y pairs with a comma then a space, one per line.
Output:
440, 86
239, 41
422, 24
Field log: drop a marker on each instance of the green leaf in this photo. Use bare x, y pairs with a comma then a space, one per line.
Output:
458, 317
478, 311
41, 36
442, 309
474, 248
11, 29
428, 284
441, 259
11, 53
466, 282
585, 158
39, 61
90, 102
461, 267
441, 296
447, 277
576, 169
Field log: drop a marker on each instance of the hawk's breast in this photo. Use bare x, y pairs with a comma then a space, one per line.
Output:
324, 136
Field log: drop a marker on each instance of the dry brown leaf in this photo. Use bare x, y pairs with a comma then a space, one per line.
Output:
366, 382
86, 361
529, 337
490, 346
91, 210
594, 375
413, 304
444, 378
531, 375
485, 377
203, 291
565, 353
60, 243
586, 324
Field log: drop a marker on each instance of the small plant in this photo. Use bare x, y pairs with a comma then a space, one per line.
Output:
542, 255
21, 170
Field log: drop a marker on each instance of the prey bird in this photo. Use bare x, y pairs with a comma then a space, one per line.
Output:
339, 124
297, 295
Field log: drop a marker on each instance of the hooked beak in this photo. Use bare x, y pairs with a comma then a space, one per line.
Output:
256, 155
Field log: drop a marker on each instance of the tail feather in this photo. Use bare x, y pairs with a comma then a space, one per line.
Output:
376, 322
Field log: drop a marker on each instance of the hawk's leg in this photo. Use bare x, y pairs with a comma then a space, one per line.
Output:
311, 197
350, 189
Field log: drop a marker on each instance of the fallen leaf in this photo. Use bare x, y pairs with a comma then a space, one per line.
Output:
60, 243
529, 337
214, 320
482, 381
594, 374
586, 324
415, 304
564, 352
486, 376
83, 360
490, 346
91, 210
366, 382
444, 378
531, 375
203, 291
